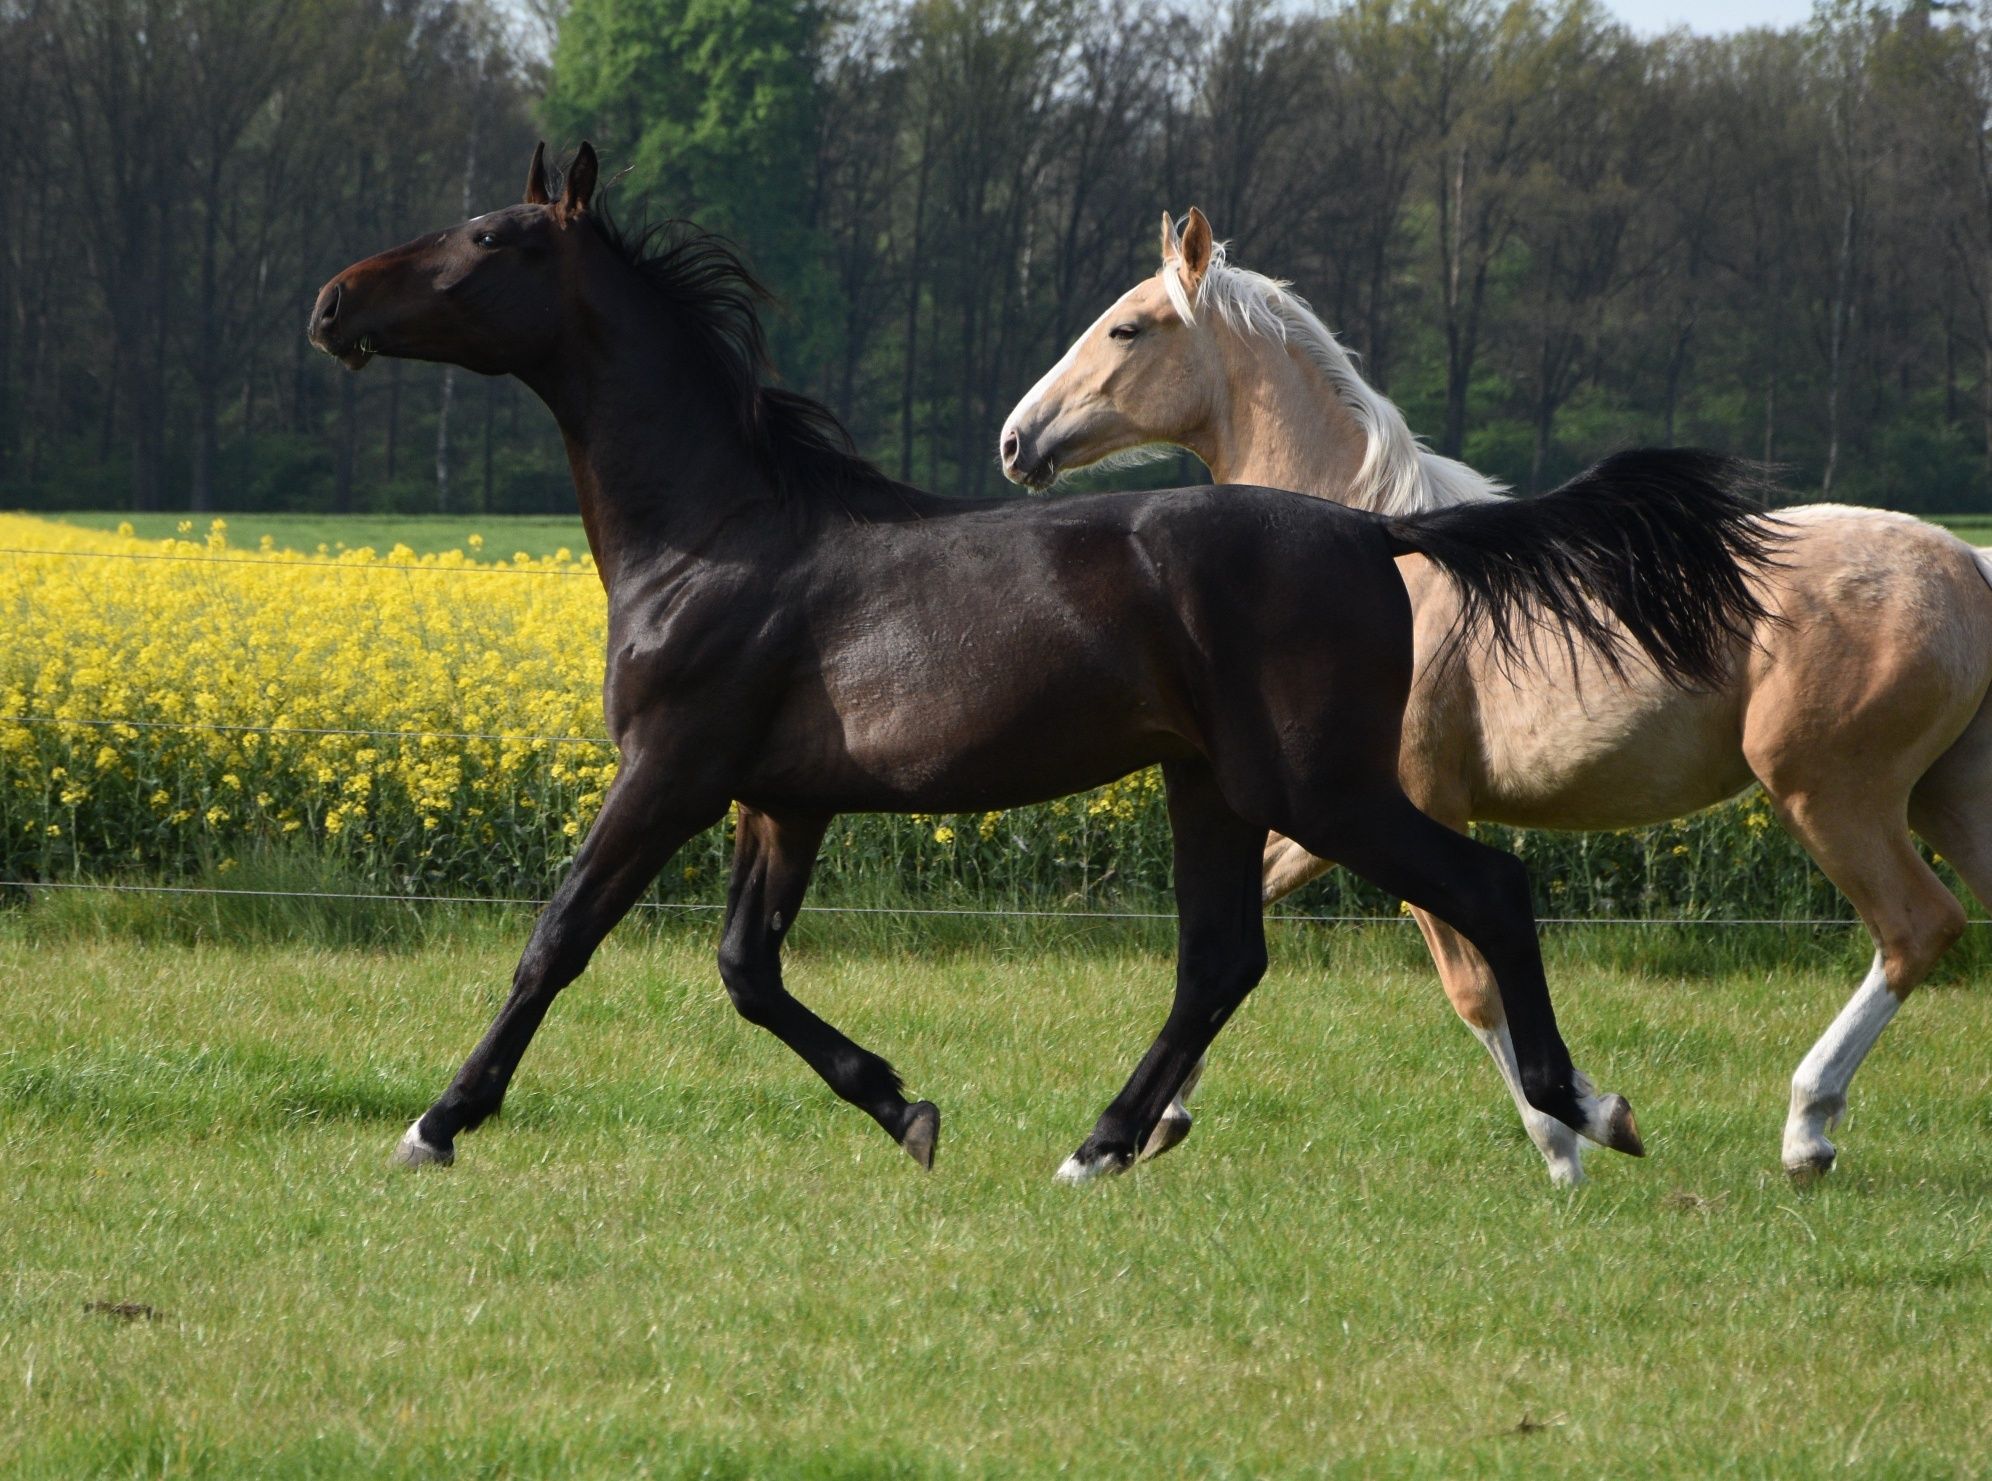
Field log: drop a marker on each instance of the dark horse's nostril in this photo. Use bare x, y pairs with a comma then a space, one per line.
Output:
328, 307
1010, 446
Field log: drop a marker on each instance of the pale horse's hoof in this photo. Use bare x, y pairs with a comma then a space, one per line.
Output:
1809, 1157
1608, 1119
1169, 1132
1807, 1153
413, 1151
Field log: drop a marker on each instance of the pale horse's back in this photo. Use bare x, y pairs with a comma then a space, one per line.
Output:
1887, 626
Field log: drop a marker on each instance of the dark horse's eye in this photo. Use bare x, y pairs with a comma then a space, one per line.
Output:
1124, 332
487, 240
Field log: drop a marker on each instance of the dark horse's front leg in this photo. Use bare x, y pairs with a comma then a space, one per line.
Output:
772, 860
1220, 957
644, 820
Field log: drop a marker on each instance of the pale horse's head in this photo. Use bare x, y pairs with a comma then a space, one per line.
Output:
1147, 372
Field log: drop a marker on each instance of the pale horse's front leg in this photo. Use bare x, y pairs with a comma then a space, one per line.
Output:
1475, 996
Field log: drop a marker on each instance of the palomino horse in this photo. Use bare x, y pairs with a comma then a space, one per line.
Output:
1861, 707
791, 628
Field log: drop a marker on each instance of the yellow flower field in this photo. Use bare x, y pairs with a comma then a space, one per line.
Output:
158, 711
433, 724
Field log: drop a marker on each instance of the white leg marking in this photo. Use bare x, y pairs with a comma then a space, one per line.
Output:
1819, 1088
412, 1151
1072, 1170
1557, 1142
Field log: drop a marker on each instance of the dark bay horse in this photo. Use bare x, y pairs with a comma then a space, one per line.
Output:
791, 628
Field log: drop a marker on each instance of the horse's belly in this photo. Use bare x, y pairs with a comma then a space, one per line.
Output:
908, 741
1602, 755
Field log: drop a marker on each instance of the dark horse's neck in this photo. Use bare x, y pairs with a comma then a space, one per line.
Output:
661, 460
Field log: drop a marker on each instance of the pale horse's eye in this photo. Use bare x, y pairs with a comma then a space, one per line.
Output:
1124, 332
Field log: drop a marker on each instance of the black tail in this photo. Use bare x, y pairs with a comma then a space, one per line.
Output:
1664, 539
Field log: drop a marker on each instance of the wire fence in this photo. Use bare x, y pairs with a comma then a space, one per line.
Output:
967, 911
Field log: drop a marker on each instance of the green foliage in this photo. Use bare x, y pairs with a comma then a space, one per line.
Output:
713, 108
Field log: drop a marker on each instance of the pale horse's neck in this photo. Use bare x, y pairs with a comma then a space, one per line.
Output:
1283, 424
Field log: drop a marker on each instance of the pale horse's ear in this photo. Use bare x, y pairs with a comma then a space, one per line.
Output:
1169, 248
536, 193
1195, 247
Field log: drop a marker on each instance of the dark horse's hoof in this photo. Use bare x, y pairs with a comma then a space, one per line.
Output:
923, 1131
413, 1150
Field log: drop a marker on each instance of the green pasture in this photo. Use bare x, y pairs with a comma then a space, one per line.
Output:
677, 1255
504, 534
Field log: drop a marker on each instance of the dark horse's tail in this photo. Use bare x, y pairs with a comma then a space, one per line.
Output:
1664, 539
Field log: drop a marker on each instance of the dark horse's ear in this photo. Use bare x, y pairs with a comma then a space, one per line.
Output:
581, 177
536, 177
1195, 249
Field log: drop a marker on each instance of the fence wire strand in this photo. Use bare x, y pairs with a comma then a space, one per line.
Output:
1003, 913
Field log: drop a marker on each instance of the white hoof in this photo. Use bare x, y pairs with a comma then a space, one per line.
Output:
1807, 1153
1075, 1170
412, 1151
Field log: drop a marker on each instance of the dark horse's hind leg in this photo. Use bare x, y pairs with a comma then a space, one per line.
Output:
631, 840
1484, 895
1220, 957
772, 860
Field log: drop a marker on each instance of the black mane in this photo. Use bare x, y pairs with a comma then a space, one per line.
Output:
805, 450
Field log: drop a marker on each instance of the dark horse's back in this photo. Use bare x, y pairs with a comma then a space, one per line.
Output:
1091, 635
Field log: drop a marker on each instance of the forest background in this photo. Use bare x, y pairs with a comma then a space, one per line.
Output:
1547, 235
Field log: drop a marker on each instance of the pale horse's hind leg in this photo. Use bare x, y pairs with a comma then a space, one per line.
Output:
1470, 987
1913, 919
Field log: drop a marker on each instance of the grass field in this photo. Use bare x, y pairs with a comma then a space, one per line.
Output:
538, 535
677, 1255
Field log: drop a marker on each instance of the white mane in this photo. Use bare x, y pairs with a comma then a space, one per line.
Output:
1399, 474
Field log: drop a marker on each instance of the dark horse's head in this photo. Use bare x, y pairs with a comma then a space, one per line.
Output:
484, 295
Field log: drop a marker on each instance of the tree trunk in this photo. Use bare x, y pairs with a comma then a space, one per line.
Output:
1770, 415
342, 478
443, 440
206, 372
490, 432
393, 415
1836, 338
1985, 392
915, 266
